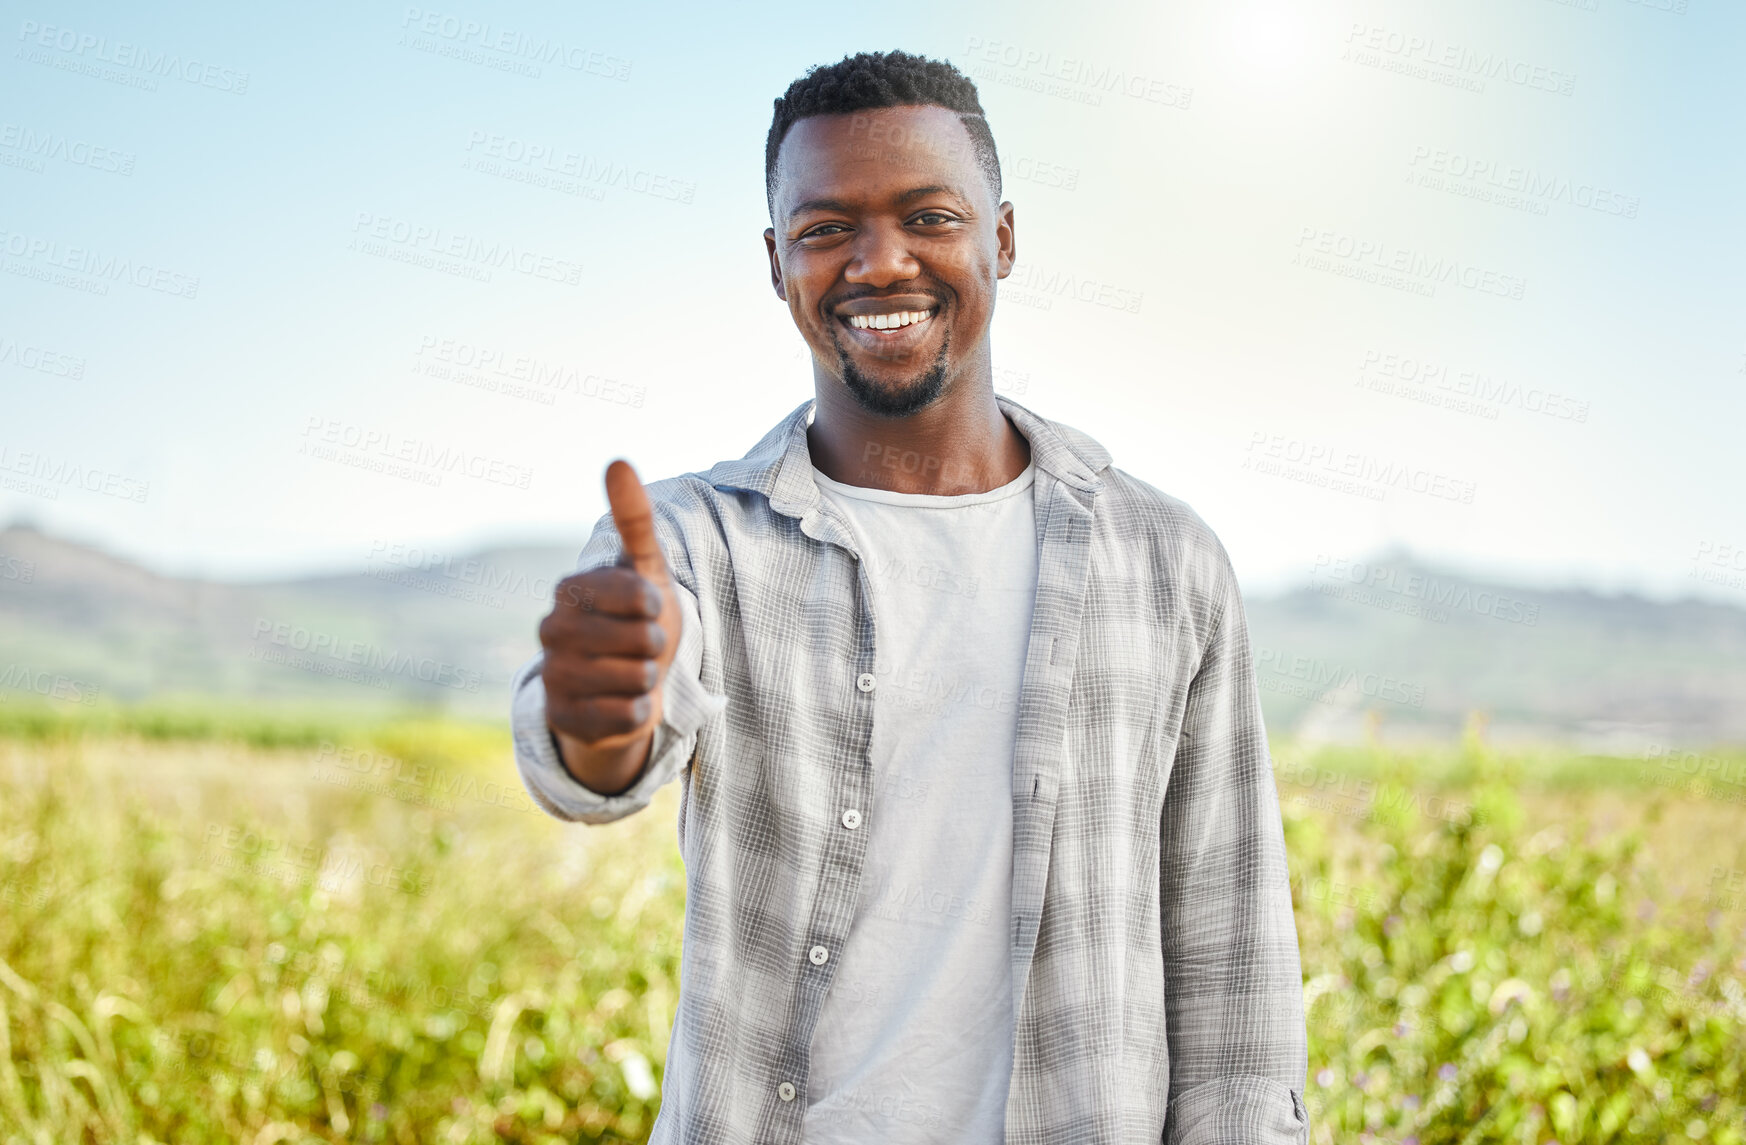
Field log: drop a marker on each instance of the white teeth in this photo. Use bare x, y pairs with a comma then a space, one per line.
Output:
889, 321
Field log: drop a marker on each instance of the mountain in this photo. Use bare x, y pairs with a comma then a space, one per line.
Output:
1390, 647
398, 631
1418, 649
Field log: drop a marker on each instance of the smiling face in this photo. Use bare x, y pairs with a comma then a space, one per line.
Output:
887, 247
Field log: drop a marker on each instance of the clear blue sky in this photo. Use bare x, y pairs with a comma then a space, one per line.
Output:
1328, 226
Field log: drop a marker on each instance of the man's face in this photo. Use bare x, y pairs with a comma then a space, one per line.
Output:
887, 246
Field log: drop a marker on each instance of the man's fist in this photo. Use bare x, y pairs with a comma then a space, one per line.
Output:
609, 640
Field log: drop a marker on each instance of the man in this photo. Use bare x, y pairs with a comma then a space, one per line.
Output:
979, 826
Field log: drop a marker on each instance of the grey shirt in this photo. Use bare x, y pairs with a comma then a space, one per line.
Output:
1157, 987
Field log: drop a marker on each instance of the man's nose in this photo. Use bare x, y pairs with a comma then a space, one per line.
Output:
882, 257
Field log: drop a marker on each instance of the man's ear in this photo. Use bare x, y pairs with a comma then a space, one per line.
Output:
1003, 234
775, 264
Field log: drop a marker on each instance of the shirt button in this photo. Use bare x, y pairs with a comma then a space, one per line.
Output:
785, 1091
851, 818
819, 955
865, 681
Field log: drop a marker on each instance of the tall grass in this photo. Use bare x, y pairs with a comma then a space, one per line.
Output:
1509, 976
348, 932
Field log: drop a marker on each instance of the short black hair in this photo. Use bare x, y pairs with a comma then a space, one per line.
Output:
870, 80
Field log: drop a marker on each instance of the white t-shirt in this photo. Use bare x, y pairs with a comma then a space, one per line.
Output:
915, 1040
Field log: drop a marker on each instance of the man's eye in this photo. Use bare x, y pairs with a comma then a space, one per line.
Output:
824, 230
933, 218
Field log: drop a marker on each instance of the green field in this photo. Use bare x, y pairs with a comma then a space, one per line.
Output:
282, 928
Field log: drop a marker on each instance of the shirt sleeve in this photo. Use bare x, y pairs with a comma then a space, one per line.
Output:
1233, 979
685, 704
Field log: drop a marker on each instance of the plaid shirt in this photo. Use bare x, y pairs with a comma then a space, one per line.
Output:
1158, 991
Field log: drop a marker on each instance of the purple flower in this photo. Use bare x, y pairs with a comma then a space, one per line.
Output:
1410, 1101
1325, 1077
378, 1110
1447, 1072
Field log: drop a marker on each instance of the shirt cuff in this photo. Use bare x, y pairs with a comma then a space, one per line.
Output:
1244, 1109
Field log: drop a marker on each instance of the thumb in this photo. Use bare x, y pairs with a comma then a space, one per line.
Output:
634, 518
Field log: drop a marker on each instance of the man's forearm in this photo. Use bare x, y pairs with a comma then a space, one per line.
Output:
604, 770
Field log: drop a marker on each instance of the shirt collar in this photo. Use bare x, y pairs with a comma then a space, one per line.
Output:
780, 465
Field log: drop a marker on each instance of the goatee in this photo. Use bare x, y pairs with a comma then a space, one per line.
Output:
900, 400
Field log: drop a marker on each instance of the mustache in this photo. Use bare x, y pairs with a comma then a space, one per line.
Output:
829, 305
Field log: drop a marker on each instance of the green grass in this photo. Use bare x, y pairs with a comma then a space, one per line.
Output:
287, 928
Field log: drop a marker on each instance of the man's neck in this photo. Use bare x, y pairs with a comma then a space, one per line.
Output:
961, 443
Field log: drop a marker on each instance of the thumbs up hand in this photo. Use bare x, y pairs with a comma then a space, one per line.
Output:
609, 640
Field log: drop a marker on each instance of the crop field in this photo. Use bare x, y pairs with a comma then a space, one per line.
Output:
294, 928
